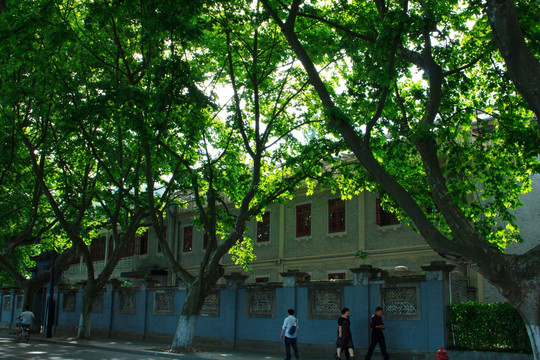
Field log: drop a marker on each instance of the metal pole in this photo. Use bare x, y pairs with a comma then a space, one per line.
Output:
50, 314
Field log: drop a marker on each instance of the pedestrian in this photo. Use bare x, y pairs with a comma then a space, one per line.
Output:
344, 341
377, 336
289, 331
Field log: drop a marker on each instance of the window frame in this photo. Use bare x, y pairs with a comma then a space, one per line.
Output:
263, 228
129, 250
184, 233
384, 218
342, 275
336, 223
97, 248
300, 217
143, 244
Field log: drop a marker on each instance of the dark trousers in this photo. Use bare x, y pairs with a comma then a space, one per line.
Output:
288, 343
377, 337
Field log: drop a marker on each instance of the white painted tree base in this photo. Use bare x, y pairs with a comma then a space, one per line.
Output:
185, 331
534, 336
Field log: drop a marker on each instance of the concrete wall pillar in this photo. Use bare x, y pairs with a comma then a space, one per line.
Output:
233, 281
438, 271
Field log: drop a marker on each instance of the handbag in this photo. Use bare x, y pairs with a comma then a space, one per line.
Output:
292, 330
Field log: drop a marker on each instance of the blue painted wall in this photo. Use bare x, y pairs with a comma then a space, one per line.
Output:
71, 317
426, 333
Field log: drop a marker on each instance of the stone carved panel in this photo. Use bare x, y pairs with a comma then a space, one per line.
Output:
211, 304
7, 302
325, 303
68, 303
126, 302
97, 306
19, 304
164, 302
260, 303
401, 302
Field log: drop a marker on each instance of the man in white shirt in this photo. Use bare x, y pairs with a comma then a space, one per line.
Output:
26, 317
290, 330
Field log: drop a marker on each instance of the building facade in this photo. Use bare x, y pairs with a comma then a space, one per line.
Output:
317, 235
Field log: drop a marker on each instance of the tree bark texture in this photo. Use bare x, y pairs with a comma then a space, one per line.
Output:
86, 318
197, 293
528, 305
187, 324
523, 67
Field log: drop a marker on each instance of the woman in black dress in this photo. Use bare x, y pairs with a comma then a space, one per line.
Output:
344, 340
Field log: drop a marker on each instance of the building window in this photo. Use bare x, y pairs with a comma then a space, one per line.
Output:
7, 302
69, 301
188, 239
263, 228
143, 244
384, 218
336, 276
303, 220
336, 215
262, 279
97, 249
129, 250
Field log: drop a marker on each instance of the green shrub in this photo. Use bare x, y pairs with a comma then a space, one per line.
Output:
487, 327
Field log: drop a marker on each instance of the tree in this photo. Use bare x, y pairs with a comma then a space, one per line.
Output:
136, 71
240, 162
509, 30
28, 221
140, 83
78, 150
415, 138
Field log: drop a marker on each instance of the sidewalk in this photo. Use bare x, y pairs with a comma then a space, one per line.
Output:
153, 349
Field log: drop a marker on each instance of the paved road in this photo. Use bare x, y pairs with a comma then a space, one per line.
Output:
37, 350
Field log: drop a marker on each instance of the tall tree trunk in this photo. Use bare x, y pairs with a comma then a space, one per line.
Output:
84, 325
197, 293
187, 323
86, 314
528, 306
523, 67
531, 319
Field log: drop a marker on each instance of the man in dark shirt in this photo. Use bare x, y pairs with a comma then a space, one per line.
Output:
377, 336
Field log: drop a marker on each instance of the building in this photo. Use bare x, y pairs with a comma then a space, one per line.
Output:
317, 235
